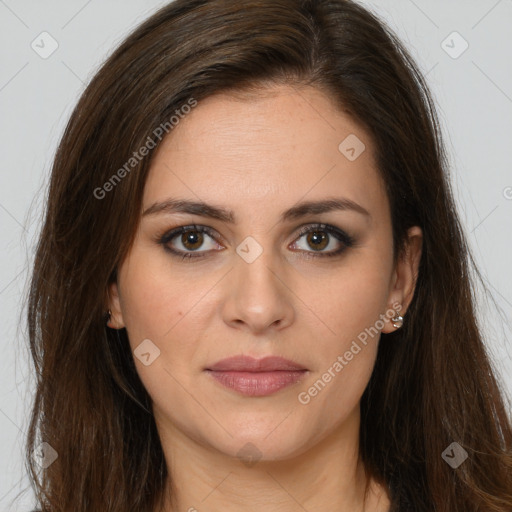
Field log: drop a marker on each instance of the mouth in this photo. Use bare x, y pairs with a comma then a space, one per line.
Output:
256, 377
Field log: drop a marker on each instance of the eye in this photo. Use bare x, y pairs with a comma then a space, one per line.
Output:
196, 241
186, 240
324, 236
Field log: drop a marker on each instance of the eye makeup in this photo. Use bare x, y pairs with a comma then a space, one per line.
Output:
194, 234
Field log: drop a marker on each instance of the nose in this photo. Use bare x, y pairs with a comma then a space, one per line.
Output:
258, 297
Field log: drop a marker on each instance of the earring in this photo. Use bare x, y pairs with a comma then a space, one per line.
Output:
398, 321
108, 315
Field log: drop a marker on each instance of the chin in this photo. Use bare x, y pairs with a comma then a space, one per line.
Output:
266, 444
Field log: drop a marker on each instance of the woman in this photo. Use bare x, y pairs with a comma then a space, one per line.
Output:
252, 290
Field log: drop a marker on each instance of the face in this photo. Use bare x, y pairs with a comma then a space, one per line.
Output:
266, 266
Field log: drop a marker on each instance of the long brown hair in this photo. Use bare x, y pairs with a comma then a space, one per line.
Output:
433, 383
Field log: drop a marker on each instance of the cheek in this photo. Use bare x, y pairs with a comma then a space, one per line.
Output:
353, 302
172, 310
351, 308
164, 307
346, 360
156, 299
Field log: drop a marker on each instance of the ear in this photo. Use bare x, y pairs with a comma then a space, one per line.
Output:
116, 320
405, 276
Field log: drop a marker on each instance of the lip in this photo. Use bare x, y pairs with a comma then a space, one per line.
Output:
256, 377
243, 363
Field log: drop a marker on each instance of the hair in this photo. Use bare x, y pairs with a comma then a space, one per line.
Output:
433, 382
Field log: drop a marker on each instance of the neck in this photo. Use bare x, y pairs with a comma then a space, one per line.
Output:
329, 475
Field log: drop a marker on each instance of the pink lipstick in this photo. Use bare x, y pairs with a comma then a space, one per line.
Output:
256, 377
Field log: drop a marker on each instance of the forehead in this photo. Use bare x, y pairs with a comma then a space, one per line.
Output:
281, 146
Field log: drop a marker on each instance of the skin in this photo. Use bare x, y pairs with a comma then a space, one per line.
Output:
258, 156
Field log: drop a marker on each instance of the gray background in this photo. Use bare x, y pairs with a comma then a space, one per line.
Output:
473, 93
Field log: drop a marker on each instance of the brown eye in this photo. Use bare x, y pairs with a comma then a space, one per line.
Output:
314, 239
192, 240
318, 240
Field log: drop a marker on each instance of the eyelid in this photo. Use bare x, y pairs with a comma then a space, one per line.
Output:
344, 239
169, 235
338, 233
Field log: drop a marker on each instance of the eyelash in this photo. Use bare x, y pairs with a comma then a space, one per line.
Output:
340, 235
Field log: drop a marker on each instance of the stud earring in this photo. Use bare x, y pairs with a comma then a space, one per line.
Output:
398, 321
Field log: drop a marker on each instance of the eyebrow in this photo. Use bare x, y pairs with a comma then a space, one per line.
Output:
223, 214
